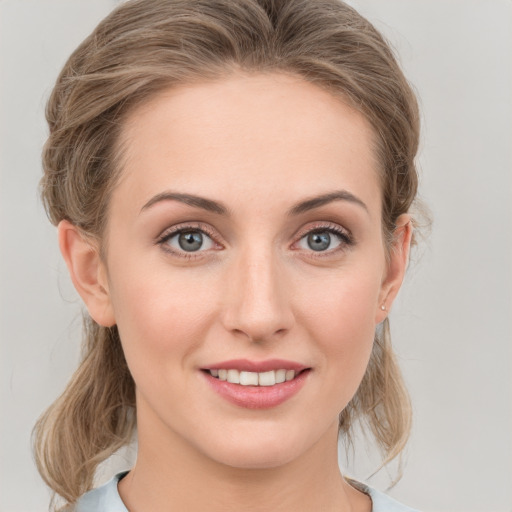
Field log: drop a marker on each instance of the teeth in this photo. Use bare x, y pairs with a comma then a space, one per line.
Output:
280, 376
267, 378
253, 378
233, 376
248, 378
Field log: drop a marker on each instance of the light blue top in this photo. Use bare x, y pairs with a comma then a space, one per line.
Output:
106, 499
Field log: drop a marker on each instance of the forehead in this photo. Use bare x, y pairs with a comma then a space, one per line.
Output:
249, 132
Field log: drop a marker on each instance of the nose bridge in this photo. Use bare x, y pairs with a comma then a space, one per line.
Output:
258, 304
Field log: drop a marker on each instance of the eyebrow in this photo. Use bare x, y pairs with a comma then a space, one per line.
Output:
218, 208
191, 200
318, 201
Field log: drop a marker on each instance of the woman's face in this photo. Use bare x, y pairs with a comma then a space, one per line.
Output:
245, 235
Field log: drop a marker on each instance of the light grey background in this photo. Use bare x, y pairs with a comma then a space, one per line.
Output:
452, 322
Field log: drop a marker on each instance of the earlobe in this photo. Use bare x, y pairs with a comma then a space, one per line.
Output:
87, 272
397, 265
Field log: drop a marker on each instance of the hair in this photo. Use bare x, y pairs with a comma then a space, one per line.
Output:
144, 47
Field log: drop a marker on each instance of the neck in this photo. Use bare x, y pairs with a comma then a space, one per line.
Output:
170, 474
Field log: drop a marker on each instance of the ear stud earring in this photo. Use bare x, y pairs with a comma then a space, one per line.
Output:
383, 307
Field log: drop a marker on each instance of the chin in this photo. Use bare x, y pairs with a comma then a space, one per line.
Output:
258, 451
256, 459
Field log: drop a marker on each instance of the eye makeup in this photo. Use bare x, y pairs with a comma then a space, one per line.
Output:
193, 234
343, 237
194, 240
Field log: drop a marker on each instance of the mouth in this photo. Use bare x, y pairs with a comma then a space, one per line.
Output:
257, 385
248, 378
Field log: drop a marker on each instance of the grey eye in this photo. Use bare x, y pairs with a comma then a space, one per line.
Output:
319, 241
190, 241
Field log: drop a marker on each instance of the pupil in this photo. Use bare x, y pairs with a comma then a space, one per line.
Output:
319, 241
191, 241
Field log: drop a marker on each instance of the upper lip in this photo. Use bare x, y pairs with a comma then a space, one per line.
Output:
257, 366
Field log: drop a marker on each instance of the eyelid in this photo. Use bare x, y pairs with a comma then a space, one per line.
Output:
168, 233
346, 237
326, 226
344, 234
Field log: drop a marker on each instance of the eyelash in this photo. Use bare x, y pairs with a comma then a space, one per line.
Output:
172, 232
344, 236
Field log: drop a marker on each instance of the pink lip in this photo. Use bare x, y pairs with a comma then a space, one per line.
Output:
257, 366
257, 397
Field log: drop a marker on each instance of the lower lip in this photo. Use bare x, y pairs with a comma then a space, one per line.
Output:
257, 397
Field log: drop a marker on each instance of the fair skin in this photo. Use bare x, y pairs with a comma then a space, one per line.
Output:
254, 283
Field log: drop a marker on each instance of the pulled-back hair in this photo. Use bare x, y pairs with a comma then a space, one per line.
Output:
142, 48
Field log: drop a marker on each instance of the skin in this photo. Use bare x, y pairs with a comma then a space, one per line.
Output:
259, 145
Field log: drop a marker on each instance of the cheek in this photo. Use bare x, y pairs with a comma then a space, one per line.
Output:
340, 316
162, 313
342, 305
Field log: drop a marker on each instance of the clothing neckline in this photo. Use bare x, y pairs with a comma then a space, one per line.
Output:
107, 498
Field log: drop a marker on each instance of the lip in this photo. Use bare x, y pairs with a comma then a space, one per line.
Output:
258, 397
257, 366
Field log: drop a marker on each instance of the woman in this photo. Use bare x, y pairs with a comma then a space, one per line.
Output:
231, 182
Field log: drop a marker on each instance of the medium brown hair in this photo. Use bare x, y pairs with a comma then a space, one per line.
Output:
141, 48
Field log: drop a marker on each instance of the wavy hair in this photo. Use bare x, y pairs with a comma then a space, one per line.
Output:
141, 48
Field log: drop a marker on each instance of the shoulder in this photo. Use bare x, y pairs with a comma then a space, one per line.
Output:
381, 502
103, 499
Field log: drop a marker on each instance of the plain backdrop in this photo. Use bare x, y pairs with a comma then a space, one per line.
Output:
451, 324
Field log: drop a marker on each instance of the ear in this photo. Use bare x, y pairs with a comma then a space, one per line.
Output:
396, 266
87, 272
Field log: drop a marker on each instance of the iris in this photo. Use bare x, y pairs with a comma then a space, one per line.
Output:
319, 241
190, 241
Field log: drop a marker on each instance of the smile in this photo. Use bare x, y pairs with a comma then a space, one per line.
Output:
256, 385
245, 378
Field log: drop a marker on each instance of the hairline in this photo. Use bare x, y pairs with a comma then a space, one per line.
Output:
120, 151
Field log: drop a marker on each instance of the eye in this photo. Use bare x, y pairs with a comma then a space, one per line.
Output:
325, 239
187, 240
320, 241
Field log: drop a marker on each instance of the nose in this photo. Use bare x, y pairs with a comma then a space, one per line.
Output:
257, 298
